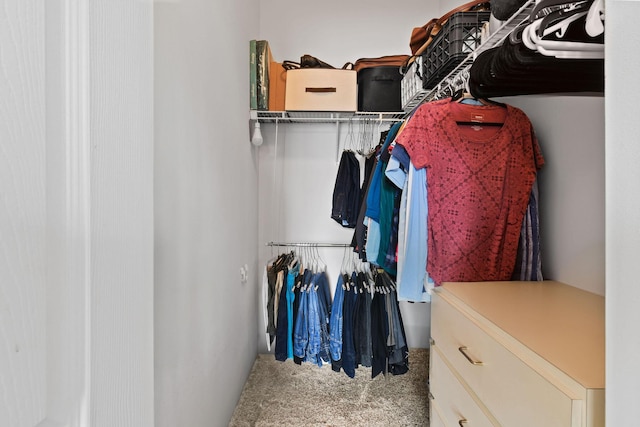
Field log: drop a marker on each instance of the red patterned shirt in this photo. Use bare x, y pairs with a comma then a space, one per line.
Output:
479, 180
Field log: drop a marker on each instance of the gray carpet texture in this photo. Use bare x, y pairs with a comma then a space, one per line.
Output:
290, 395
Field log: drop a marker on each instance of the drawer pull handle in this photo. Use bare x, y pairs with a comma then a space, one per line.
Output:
320, 89
463, 350
462, 422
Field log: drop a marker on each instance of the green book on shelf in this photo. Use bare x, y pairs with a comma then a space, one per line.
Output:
253, 88
263, 58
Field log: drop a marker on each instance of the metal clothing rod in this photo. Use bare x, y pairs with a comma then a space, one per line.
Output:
310, 245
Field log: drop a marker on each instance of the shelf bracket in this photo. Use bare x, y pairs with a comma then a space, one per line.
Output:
276, 135
337, 141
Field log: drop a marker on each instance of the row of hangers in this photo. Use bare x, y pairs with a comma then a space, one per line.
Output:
365, 142
565, 29
303, 257
351, 262
558, 48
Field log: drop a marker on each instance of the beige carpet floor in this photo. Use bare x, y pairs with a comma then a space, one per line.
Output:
288, 395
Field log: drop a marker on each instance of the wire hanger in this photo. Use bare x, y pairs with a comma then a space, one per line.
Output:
558, 16
366, 136
321, 266
350, 144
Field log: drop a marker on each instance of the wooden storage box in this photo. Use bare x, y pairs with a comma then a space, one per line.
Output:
321, 89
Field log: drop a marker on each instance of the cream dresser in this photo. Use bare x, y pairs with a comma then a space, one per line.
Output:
516, 354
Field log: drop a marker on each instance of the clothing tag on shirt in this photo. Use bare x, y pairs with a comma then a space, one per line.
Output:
477, 118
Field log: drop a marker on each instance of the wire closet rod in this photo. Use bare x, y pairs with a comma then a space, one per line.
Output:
310, 245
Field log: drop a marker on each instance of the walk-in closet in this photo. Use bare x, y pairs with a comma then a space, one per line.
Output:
302, 154
137, 218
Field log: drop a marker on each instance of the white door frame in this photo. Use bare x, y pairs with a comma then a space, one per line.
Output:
99, 299
68, 215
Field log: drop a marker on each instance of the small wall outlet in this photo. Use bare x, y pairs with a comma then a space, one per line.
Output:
244, 273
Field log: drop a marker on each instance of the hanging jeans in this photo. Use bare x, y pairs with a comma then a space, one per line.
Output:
398, 356
297, 290
313, 319
348, 346
363, 323
291, 296
301, 328
379, 332
282, 323
335, 322
324, 313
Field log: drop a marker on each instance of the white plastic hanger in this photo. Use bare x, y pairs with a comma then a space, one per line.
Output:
594, 24
560, 48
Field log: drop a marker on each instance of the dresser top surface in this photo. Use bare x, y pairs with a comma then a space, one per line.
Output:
562, 324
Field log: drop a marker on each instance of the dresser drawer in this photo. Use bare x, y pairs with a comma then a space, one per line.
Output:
514, 393
454, 403
435, 419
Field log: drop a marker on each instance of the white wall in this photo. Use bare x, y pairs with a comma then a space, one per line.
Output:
341, 31
623, 205
116, 113
570, 130
205, 210
23, 287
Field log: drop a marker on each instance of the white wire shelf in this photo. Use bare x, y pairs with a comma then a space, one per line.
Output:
447, 86
324, 116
